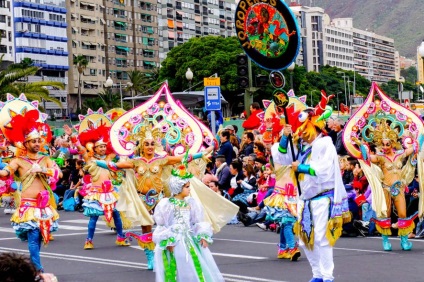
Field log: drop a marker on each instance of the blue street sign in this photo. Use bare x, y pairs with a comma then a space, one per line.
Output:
212, 98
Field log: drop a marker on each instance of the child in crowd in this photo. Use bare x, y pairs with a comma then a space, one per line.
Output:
182, 237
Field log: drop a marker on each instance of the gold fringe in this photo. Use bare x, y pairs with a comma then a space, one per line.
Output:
309, 242
17, 198
406, 231
148, 246
334, 230
275, 201
29, 216
347, 217
383, 231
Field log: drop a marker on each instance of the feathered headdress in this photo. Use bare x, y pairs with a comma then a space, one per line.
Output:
25, 126
95, 135
180, 176
312, 119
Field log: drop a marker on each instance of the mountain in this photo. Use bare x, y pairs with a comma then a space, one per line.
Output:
401, 20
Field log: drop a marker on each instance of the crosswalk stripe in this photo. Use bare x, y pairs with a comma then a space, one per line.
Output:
82, 221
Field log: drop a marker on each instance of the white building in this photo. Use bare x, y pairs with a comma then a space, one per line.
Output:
338, 47
6, 31
181, 20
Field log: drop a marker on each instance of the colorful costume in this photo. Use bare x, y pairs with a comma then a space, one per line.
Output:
21, 122
281, 206
383, 123
101, 199
323, 207
180, 224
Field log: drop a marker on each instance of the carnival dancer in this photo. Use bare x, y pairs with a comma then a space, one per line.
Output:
396, 132
101, 198
394, 178
149, 180
36, 216
281, 206
182, 236
322, 207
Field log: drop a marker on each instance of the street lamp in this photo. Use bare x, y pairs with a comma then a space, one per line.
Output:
109, 84
189, 76
291, 69
338, 105
129, 86
344, 80
421, 53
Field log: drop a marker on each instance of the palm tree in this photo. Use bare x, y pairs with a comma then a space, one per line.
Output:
138, 83
81, 63
36, 90
108, 100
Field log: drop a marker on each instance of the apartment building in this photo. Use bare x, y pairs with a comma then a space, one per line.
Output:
6, 32
181, 20
39, 33
311, 21
374, 54
115, 36
338, 47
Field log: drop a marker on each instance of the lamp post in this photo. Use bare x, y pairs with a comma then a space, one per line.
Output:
338, 105
109, 84
421, 53
129, 86
344, 80
291, 69
189, 77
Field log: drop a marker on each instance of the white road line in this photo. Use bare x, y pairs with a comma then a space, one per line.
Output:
73, 227
7, 230
128, 264
223, 255
82, 221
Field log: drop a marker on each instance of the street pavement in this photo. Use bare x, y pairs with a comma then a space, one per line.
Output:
242, 254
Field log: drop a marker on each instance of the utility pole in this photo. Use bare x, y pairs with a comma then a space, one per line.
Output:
248, 92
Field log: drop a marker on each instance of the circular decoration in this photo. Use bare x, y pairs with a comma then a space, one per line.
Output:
277, 79
268, 33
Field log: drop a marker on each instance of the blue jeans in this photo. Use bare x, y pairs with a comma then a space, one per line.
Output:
34, 245
93, 221
287, 239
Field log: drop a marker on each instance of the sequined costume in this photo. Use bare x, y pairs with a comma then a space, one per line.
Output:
281, 207
37, 213
180, 224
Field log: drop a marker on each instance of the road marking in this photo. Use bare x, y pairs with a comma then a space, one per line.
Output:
266, 243
7, 230
128, 264
82, 221
73, 227
222, 255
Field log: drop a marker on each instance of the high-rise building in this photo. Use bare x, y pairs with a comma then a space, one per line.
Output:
6, 32
374, 54
115, 36
181, 20
310, 20
40, 34
338, 47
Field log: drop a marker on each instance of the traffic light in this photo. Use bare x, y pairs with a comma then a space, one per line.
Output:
242, 71
261, 80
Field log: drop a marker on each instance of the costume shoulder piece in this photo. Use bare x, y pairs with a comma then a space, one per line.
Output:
163, 119
21, 121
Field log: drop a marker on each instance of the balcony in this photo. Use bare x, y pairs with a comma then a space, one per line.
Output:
169, 5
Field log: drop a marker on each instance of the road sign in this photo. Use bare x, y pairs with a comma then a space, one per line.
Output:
212, 98
211, 81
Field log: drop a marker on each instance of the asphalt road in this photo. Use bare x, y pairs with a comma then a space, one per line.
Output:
242, 254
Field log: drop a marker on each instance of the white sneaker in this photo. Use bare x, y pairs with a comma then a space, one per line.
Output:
261, 226
253, 210
7, 211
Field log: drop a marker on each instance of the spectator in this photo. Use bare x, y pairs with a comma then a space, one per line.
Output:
16, 267
347, 176
338, 128
237, 174
233, 132
330, 131
253, 121
222, 172
234, 142
259, 149
226, 149
249, 186
247, 144
214, 185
